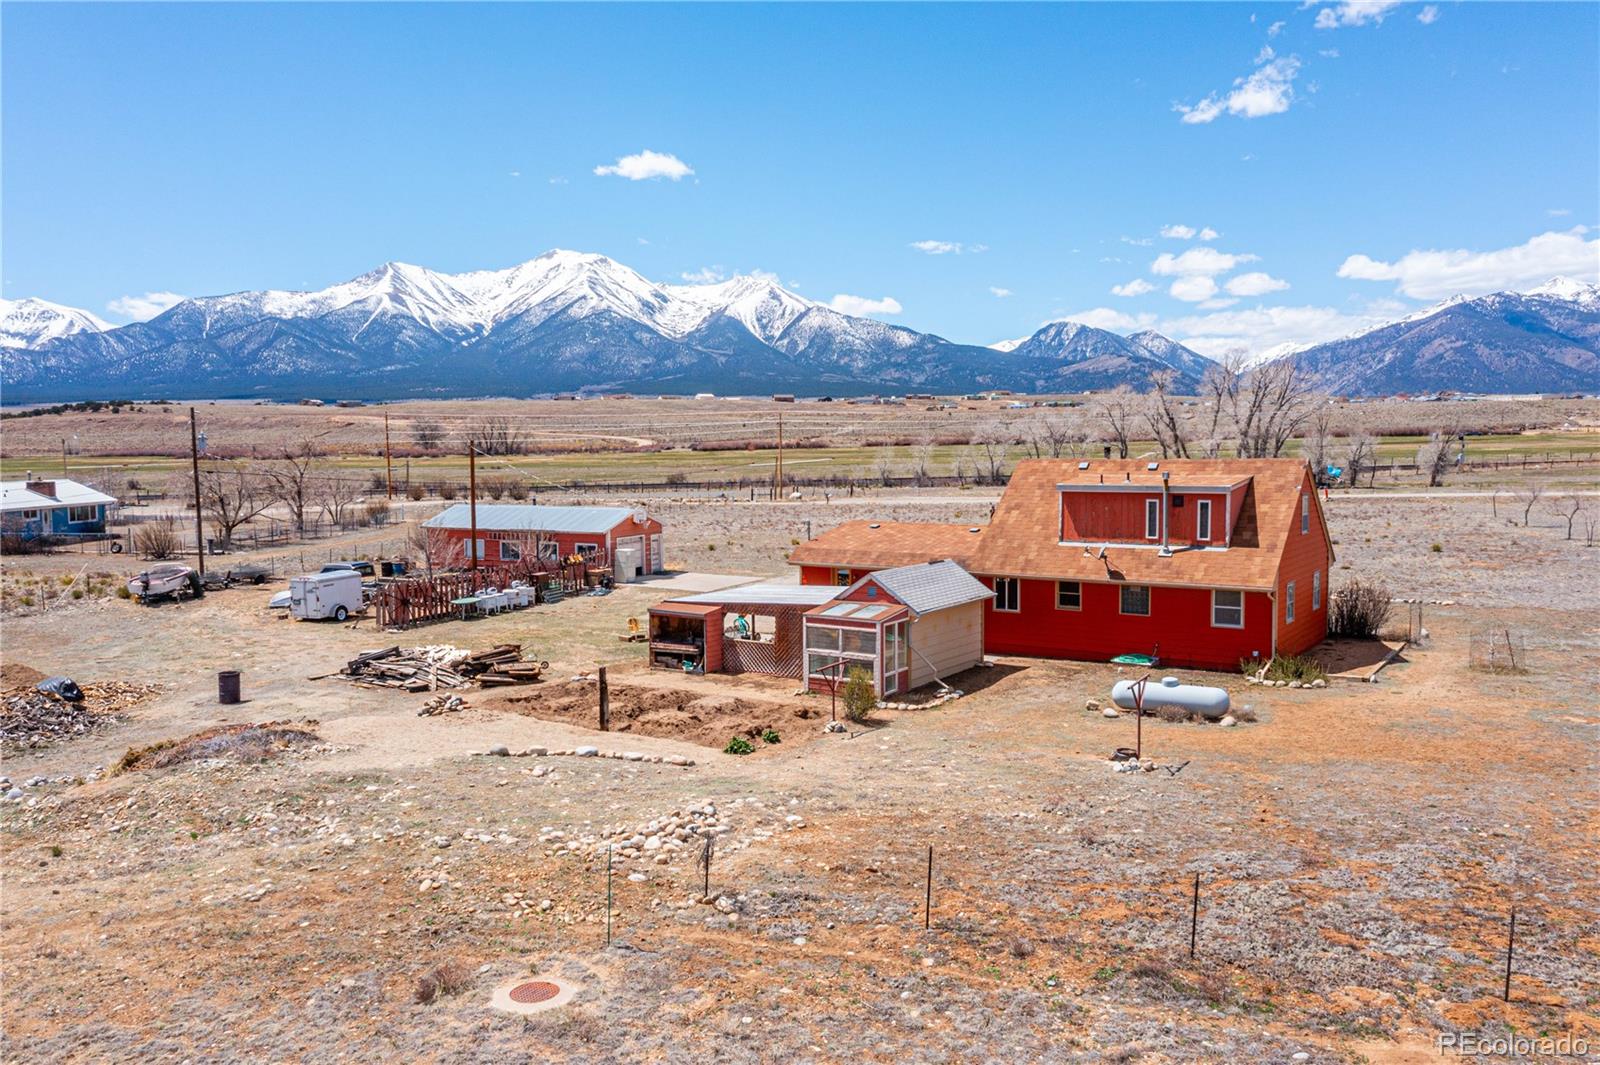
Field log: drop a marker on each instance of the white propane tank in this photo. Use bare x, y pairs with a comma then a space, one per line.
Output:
1203, 699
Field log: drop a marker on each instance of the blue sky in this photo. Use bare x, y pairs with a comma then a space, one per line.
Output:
1418, 150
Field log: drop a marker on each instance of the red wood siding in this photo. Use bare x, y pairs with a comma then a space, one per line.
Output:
827, 575
448, 545
1179, 621
1120, 516
1304, 555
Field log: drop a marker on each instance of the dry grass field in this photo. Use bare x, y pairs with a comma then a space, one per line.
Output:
281, 896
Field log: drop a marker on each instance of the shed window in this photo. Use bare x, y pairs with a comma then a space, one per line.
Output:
586, 550
76, 514
1152, 519
510, 551
1136, 599
1316, 590
1227, 610
473, 548
548, 550
1305, 512
1202, 520
1069, 595
1288, 604
1007, 594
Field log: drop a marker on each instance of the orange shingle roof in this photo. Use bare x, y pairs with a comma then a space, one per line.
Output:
880, 545
1022, 540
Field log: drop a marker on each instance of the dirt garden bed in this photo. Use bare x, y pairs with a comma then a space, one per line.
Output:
239, 743
671, 713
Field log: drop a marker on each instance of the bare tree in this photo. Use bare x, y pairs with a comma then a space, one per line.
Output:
1117, 411
1530, 497
502, 436
157, 540
1569, 509
427, 434
993, 441
1433, 458
1591, 528
922, 459
1360, 455
1161, 415
417, 541
1268, 405
230, 496
1059, 432
335, 495
1219, 389
293, 480
1318, 445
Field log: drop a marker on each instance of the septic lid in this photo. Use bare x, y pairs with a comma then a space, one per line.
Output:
1169, 682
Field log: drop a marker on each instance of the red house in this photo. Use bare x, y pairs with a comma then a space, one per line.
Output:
630, 540
1202, 563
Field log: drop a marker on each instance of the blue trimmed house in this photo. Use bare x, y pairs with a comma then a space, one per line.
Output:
56, 508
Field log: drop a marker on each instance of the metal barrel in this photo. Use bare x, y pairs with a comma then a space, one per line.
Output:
228, 686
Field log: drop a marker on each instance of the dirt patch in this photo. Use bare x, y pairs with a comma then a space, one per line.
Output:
709, 720
17, 675
32, 718
239, 743
1352, 659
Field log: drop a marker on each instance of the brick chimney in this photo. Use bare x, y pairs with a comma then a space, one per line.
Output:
44, 488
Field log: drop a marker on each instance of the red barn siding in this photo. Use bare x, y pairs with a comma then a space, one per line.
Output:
448, 546
1179, 621
1119, 516
828, 575
1304, 555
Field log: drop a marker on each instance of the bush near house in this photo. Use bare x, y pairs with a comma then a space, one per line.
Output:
859, 698
1359, 609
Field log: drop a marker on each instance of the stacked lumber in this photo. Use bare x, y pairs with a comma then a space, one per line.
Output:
420, 669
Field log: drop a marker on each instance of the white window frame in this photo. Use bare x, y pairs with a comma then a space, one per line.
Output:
1202, 519
93, 512
588, 550
1152, 519
32, 515
1122, 602
549, 551
516, 548
1015, 597
1305, 513
1215, 605
1316, 590
1288, 604
841, 578
473, 549
1077, 593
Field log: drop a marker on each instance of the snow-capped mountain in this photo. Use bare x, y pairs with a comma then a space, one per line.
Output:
1543, 340
563, 321
26, 323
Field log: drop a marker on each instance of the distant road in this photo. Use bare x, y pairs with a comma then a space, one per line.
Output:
1509, 492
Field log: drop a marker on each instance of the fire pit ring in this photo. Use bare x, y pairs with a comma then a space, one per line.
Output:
533, 994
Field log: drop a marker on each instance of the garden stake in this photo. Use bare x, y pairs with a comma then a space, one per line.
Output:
1511, 939
927, 900
1194, 915
608, 894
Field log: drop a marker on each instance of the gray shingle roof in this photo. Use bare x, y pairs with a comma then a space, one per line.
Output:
929, 586
530, 517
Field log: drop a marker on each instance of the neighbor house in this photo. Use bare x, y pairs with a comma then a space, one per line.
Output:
57, 507
1200, 563
628, 539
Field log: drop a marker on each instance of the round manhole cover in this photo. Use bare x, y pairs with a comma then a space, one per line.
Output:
534, 991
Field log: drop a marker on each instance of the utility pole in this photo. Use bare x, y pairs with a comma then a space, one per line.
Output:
194, 462
778, 480
388, 460
472, 503
63, 456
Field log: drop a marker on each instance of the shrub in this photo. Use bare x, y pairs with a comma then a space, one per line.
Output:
738, 745
495, 486
447, 491
1359, 609
447, 978
377, 512
677, 477
517, 490
415, 492
1436, 548
1287, 667
770, 736
377, 483
157, 540
859, 698
123, 593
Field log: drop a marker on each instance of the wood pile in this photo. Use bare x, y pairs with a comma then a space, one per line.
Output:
420, 669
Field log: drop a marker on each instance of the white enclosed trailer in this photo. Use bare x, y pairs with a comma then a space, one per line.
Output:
335, 594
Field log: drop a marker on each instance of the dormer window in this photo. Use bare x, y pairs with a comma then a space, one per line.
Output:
1152, 519
1202, 520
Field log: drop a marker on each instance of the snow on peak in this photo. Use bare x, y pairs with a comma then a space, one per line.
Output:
1009, 345
1586, 293
30, 321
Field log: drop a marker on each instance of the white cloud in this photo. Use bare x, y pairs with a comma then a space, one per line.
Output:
999, 293
1429, 14
647, 165
1259, 328
1138, 242
937, 247
1209, 234
1265, 54
977, 249
1355, 13
558, 181
516, 173
1269, 90
769, 276
1137, 287
1329, 53
1436, 274
861, 305
1198, 260
1110, 318
1276, 28
1559, 212
1178, 232
143, 308
706, 275
1193, 288
1255, 284
1216, 304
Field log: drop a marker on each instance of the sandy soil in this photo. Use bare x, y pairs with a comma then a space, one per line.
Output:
1358, 848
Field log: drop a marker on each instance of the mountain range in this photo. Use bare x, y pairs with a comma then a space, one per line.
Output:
569, 321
